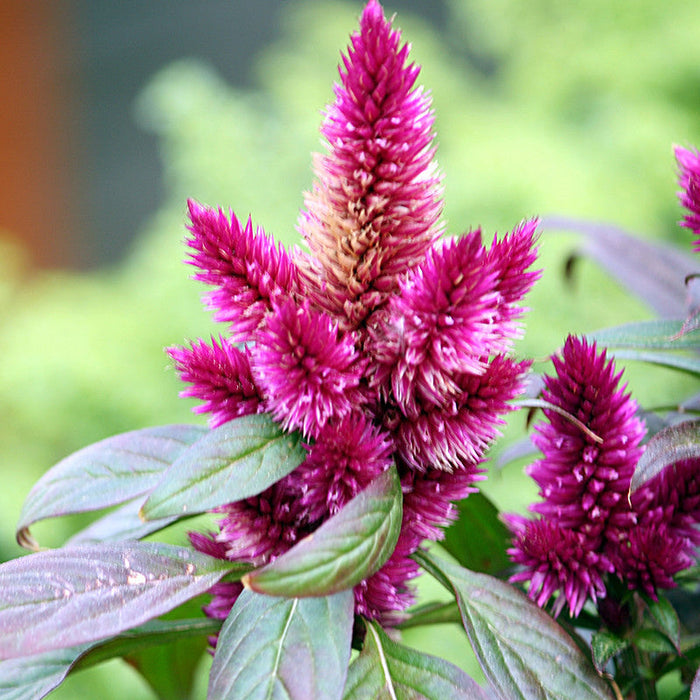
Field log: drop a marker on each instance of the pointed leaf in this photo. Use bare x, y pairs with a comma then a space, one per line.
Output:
523, 652
487, 552
662, 335
294, 648
695, 687
61, 598
234, 461
121, 524
681, 441
385, 670
606, 645
107, 473
650, 270
348, 548
653, 641
34, 677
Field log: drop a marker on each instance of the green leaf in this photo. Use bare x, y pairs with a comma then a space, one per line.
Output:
294, 648
684, 363
478, 539
657, 334
649, 640
606, 645
523, 652
347, 548
681, 441
105, 474
234, 461
65, 597
385, 670
666, 618
34, 677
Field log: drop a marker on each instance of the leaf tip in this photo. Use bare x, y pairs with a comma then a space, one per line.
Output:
26, 540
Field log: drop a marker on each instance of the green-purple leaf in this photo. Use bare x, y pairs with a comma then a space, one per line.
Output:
695, 687
653, 335
123, 523
681, 441
523, 652
234, 461
64, 597
107, 473
666, 619
684, 363
34, 677
487, 552
293, 648
385, 670
346, 549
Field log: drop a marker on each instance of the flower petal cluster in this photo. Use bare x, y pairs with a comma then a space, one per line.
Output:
689, 194
587, 528
381, 344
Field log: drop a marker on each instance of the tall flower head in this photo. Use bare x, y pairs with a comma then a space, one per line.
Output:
380, 344
689, 194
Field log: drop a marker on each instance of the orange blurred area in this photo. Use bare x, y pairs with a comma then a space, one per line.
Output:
37, 169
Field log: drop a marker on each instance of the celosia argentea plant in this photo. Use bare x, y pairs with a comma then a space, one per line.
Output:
352, 395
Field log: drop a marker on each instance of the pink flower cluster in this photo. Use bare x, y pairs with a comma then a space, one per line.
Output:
689, 194
382, 344
587, 528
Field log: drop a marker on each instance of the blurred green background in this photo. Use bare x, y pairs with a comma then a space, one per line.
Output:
542, 107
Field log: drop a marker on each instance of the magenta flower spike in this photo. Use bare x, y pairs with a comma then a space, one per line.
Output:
689, 194
381, 345
375, 207
587, 528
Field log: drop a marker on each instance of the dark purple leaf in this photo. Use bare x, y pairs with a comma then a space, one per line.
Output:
385, 670
294, 648
234, 461
652, 271
347, 548
680, 441
523, 652
105, 474
64, 597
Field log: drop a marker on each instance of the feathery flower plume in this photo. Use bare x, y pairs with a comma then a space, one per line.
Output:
689, 194
381, 345
375, 207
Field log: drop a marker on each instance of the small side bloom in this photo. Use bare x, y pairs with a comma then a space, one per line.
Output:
220, 376
556, 560
689, 194
248, 270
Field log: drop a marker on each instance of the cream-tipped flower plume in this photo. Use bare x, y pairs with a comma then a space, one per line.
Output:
380, 344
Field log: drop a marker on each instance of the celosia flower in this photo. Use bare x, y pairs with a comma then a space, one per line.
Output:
220, 375
689, 194
557, 559
381, 345
587, 528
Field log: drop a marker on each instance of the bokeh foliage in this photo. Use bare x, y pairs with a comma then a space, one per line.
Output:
541, 107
